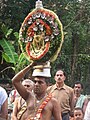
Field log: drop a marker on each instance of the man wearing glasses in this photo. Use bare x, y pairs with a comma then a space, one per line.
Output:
40, 105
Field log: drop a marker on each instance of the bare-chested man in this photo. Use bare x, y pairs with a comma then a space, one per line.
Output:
40, 106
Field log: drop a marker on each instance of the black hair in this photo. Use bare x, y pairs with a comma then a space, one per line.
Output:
47, 80
62, 71
78, 82
78, 108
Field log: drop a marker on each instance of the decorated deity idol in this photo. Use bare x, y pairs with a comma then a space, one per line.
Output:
41, 35
40, 38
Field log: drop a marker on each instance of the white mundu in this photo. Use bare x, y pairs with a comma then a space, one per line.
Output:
87, 112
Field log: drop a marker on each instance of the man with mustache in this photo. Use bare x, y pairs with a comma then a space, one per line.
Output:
63, 93
40, 105
80, 99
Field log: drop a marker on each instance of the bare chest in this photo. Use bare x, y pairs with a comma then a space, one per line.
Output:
32, 109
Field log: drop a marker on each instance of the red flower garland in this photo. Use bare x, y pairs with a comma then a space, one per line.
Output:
39, 112
33, 57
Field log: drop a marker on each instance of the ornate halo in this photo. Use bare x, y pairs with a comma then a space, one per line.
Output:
42, 33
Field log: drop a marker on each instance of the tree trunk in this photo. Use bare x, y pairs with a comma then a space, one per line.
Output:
74, 55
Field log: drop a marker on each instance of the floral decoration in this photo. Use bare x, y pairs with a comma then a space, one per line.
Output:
42, 33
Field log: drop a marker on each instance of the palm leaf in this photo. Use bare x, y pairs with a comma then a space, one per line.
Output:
9, 51
22, 61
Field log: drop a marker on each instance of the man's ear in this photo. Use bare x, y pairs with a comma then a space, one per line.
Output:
65, 78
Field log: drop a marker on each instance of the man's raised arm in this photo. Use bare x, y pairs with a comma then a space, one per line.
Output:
16, 80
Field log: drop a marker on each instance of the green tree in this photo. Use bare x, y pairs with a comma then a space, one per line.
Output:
75, 17
15, 60
13, 12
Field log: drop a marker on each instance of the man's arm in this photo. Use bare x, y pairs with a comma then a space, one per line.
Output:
56, 110
15, 110
87, 112
72, 102
85, 105
17, 82
4, 110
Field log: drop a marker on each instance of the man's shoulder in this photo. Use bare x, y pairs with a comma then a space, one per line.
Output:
52, 102
2, 91
50, 88
84, 97
68, 88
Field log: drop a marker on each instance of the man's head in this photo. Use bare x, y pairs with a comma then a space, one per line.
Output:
41, 84
78, 87
60, 76
78, 114
28, 84
41, 75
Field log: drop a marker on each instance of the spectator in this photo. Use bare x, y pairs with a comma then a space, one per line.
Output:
63, 93
40, 106
87, 112
78, 114
12, 95
3, 103
20, 104
80, 99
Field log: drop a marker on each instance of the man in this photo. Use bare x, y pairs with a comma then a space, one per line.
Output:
87, 112
80, 99
63, 93
78, 114
12, 96
20, 105
3, 104
40, 106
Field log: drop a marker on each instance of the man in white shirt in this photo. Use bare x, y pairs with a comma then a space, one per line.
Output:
3, 103
87, 112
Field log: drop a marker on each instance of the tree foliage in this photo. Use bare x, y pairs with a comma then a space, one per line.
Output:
75, 17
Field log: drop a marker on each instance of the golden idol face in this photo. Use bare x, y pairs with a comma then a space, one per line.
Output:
38, 47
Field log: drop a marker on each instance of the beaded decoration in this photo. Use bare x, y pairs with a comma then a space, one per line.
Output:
42, 33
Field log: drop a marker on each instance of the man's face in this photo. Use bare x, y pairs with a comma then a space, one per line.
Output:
40, 85
77, 88
59, 77
28, 86
78, 115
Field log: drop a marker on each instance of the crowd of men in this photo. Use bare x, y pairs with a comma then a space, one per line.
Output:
36, 99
